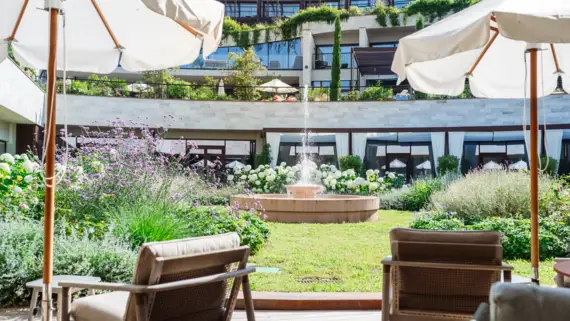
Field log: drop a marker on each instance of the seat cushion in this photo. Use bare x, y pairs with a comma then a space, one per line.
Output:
103, 307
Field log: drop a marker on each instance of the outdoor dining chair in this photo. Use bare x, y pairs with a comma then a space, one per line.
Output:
440, 275
190, 279
520, 302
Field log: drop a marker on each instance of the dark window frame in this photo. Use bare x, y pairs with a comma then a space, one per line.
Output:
409, 166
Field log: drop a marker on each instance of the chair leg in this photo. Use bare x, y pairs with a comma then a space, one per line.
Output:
386, 293
33, 304
249, 309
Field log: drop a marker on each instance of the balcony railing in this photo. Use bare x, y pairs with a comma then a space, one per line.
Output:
279, 62
324, 61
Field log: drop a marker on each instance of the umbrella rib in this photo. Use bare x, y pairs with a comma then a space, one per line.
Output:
555, 57
487, 46
188, 28
17, 25
96, 6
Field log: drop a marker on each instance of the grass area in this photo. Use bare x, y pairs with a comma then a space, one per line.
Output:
337, 257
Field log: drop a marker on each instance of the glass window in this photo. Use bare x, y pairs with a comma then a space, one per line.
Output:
261, 52
2, 147
278, 55
409, 159
280, 9
363, 3
401, 3
248, 10
295, 55
320, 153
332, 3
564, 167
494, 155
290, 9
232, 9
385, 45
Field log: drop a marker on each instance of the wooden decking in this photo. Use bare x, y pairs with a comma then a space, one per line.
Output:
21, 315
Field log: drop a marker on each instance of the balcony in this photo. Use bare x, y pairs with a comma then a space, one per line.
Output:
324, 61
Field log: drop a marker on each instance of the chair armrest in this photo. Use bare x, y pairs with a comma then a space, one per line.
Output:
474, 267
482, 313
133, 288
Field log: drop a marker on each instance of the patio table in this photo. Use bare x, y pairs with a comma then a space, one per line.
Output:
37, 287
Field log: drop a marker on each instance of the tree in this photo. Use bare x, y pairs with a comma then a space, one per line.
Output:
335, 70
244, 66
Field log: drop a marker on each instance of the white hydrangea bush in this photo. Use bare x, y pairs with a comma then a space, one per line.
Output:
265, 179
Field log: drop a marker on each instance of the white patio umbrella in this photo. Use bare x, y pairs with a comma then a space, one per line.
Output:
95, 36
424, 165
396, 163
498, 45
235, 165
200, 164
491, 165
276, 86
520, 165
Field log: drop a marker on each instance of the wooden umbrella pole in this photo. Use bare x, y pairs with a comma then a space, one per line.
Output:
534, 255
50, 128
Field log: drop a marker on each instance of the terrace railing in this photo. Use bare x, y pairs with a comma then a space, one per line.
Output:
324, 61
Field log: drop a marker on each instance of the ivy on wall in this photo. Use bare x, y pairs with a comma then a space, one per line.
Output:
245, 35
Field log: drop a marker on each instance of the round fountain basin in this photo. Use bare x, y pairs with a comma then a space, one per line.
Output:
304, 191
318, 209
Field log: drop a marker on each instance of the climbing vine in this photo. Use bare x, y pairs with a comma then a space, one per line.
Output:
430, 9
290, 27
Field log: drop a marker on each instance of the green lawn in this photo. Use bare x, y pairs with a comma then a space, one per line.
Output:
337, 257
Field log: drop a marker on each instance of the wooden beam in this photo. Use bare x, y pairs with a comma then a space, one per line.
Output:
470, 72
555, 57
96, 6
534, 246
17, 25
188, 28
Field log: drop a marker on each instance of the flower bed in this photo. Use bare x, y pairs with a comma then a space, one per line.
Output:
265, 179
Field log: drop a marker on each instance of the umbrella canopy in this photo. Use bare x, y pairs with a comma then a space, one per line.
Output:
93, 36
424, 165
520, 165
139, 87
278, 87
205, 17
490, 165
200, 164
486, 44
396, 163
505, 48
235, 164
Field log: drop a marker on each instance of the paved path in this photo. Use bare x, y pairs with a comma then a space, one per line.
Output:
21, 315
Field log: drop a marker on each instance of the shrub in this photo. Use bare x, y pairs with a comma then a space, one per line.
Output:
377, 92
179, 89
252, 230
447, 164
494, 193
554, 232
394, 199
350, 162
21, 252
264, 158
548, 165
353, 95
319, 94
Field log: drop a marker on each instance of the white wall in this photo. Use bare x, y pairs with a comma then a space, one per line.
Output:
225, 115
21, 101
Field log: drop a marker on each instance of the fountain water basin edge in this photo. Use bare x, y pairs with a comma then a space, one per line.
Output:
303, 205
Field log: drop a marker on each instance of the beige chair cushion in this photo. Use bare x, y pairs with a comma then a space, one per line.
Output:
103, 307
149, 252
466, 237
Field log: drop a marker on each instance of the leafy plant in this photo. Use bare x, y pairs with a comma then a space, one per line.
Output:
377, 92
252, 230
144, 222
244, 66
290, 27
158, 79
353, 95
548, 165
419, 22
554, 232
179, 89
21, 252
447, 164
335, 69
263, 158
350, 162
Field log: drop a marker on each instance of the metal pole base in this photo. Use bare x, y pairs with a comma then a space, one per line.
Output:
535, 276
47, 308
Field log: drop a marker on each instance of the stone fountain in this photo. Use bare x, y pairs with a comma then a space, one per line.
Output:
305, 203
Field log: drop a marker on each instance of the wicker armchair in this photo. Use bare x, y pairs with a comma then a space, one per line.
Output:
440, 275
190, 279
